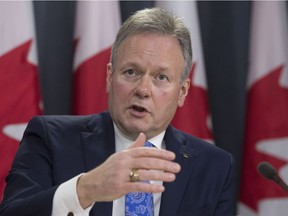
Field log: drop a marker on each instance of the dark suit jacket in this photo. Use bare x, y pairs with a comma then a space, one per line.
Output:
57, 148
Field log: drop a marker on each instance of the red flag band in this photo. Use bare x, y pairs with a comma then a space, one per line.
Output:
19, 90
266, 136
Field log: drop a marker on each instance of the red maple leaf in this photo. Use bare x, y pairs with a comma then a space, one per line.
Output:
267, 118
20, 98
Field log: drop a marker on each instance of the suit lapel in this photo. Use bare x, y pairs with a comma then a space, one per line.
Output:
98, 144
172, 196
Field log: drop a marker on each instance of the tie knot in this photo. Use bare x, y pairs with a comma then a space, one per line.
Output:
148, 144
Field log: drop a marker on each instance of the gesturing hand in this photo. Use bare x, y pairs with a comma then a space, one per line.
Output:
111, 179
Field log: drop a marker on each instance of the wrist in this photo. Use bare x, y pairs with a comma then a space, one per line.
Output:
83, 192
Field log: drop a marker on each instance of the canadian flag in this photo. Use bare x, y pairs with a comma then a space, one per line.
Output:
19, 90
266, 136
97, 23
194, 116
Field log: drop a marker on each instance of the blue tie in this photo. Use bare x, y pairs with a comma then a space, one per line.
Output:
140, 203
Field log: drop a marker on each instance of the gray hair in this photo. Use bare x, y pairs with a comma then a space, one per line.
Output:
159, 21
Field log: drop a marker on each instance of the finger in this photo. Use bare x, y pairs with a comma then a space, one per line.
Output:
144, 187
152, 152
156, 164
139, 142
156, 175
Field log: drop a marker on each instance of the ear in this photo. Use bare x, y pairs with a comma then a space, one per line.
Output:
183, 92
109, 74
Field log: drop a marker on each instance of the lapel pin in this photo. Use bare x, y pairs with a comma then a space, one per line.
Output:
186, 151
185, 155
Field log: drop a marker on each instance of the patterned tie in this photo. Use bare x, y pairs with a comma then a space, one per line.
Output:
140, 203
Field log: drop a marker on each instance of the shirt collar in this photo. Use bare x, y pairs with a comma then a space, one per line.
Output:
122, 142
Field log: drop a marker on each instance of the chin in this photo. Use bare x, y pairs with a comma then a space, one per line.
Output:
135, 131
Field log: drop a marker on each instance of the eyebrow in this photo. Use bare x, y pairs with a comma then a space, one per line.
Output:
139, 65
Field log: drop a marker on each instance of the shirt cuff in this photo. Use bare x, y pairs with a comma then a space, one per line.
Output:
66, 201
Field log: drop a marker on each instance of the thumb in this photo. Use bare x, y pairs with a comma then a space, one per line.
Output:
139, 142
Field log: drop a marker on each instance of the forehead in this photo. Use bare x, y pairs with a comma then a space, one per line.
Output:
150, 46
153, 39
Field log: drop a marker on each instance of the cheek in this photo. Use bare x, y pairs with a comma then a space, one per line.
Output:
120, 90
167, 99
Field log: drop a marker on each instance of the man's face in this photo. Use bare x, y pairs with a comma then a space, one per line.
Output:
144, 85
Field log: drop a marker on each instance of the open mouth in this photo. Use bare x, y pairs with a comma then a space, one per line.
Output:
138, 108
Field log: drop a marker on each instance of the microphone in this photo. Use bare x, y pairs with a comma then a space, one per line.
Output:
269, 172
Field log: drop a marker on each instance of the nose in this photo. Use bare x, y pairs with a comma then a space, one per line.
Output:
143, 89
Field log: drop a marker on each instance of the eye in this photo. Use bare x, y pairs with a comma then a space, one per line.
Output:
162, 77
130, 72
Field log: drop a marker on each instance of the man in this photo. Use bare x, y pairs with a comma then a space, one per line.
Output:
86, 165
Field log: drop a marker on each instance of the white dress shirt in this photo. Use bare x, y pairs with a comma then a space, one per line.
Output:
65, 198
